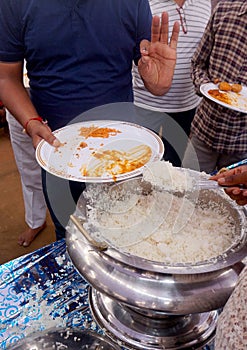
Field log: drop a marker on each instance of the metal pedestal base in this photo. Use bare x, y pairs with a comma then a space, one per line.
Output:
134, 330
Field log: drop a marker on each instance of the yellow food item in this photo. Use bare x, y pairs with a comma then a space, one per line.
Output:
236, 87
224, 86
116, 162
94, 131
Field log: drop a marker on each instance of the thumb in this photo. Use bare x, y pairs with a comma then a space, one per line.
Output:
144, 59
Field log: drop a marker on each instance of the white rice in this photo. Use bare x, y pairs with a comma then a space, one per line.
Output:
164, 175
160, 226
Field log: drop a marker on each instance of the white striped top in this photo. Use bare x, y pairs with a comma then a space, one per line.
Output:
181, 96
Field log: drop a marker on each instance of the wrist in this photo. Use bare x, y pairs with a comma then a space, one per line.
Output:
38, 118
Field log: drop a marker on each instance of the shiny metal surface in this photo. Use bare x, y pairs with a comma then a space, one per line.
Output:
136, 331
65, 338
170, 293
133, 296
156, 287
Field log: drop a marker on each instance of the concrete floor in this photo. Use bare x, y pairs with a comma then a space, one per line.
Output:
11, 207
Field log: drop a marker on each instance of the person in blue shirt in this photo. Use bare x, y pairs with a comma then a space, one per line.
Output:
79, 55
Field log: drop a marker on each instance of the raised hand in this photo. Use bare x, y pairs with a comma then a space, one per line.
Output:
158, 61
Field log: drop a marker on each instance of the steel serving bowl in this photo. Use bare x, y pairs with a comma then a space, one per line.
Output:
65, 338
155, 288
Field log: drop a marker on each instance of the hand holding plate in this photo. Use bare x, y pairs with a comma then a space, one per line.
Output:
40, 131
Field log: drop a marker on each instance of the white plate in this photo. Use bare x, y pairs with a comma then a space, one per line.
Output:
71, 160
238, 100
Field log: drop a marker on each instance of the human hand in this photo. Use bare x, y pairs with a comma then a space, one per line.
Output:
39, 131
157, 64
237, 176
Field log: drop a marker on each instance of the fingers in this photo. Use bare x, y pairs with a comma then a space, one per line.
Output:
238, 170
160, 30
174, 37
50, 138
241, 201
236, 179
240, 197
155, 31
233, 191
220, 175
39, 131
164, 30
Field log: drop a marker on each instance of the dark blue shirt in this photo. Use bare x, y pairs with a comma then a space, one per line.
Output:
79, 53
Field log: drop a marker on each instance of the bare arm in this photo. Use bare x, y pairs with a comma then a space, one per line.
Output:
16, 99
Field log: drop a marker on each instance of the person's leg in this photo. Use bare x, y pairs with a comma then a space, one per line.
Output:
180, 129
59, 228
30, 174
170, 154
198, 156
184, 119
61, 197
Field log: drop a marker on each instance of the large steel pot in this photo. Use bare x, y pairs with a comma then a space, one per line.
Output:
151, 286
149, 290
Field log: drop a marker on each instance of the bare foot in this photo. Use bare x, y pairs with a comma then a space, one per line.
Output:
26, 237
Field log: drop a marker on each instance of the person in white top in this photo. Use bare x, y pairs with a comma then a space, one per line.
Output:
30, 174
181, 100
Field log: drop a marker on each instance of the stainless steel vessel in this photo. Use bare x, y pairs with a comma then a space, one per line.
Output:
150, 305
65, 338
